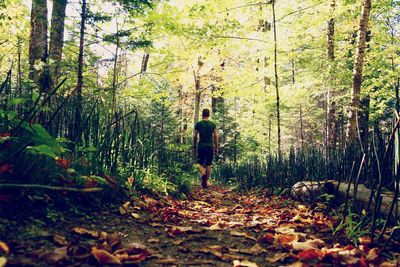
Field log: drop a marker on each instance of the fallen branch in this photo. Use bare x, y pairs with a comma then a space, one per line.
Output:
50, 188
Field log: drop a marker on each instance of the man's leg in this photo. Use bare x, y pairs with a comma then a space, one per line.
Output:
201, 170
207, 175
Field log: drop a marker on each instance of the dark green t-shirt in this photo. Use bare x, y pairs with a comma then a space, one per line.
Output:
206, 130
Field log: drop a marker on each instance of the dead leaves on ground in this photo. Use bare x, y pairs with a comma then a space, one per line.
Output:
293, 232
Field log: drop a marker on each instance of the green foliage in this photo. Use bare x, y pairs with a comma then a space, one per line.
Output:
353, 227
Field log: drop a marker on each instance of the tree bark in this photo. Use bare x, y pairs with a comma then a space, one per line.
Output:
278, 117
38, 40
78, 113
331, 104
197, 94
351, 133
57, 38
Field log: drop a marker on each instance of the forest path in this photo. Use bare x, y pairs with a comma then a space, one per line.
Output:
221, 227
213, 227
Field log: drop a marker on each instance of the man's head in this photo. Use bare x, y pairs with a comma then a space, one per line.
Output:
206, 113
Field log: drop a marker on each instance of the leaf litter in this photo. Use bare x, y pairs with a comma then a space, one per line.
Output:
213, 227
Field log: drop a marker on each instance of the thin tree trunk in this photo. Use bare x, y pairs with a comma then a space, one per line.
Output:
331, 104
38, 41
115, 75
301, 129
278, 117
57, 38
197, 85
78, 113
351, 133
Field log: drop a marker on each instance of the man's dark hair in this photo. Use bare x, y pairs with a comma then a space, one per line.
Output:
206, 112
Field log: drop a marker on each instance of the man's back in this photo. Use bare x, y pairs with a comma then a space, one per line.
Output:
206, 129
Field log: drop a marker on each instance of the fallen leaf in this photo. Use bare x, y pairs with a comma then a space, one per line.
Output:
104, 257
60, 240
364, 240
135, 215
178, 230
114, 241
278, 257
126, 205
307, 245
4, 247
216, 226
178, 242
295, 264
57, 256
3, 261
268, 238
384, 264
166, 261
86, 232
153, 240
373, 254
243, 234
286, 239
244, 263
311, 254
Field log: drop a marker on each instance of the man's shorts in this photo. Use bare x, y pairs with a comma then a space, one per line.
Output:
205, 156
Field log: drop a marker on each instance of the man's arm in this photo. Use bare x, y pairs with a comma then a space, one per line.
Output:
215, 141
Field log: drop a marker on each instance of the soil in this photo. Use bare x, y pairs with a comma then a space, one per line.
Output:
216, 226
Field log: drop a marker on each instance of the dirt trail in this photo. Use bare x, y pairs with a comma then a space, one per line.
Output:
213, 227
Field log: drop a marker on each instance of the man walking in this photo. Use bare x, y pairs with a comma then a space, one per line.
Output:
206, 147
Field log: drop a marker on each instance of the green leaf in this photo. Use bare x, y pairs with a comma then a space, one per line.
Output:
41, 137
18, 101
42, 150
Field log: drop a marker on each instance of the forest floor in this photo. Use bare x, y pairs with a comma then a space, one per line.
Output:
213, 227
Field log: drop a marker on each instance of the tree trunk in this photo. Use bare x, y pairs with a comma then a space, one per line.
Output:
351, 133
197, 95
278, 117
115, 74
78, 113
331, 104
38, 40
57, 38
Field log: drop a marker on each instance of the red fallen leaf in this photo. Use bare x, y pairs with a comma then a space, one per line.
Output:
286, 239
4, 247
63, 163
268, 238
104, 257
363, 263
5, 134
311, 254
5, 168
86, 232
